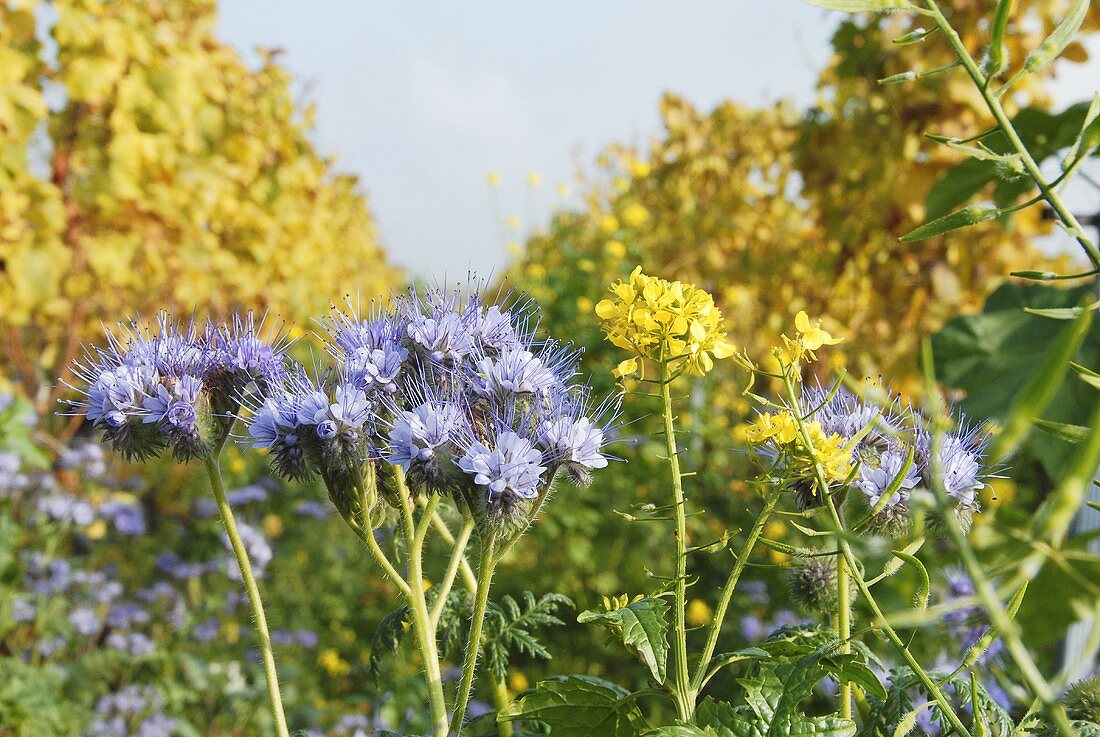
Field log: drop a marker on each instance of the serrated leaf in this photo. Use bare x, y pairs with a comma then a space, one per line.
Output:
1054, 44
726, 720
642, 628
578, 706
959, 219
387, 638
862, 6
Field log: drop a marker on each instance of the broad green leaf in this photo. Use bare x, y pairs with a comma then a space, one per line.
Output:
862, 6
642, 628
726, 720
578, 706
1063, 431
1030, 402
681, 730
850, 668
996, 60
959, 219
991, 356
1059, 38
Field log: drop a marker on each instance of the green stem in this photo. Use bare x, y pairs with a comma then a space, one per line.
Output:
685, 697
500, 700
853, 569
1006, 628
444, 532
213, 471
994, 104
457, 557
770, 501
473, 642
418, 608
843, 627
368, 488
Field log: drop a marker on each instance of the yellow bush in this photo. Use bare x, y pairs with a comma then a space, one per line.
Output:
144, 166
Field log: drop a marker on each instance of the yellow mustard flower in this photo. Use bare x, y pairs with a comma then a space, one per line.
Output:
666, 321
635, 215
809, 337
698, 613
492, 179
511, 222
615, 248
563, 190
639, 169
534, 179
332, 663
609, 223
830, 450
518, 682
778, 426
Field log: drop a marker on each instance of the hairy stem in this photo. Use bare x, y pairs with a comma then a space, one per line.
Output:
267, 655
843, 627
418, 608
458, 556
473, 643
468, 576
770, 500
685, 697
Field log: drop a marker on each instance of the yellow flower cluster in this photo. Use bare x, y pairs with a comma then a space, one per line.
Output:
663, 321
782, 429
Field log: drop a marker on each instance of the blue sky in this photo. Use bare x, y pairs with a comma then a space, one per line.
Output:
422, 99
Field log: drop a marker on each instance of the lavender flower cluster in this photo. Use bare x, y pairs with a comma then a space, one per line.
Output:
883, 438
458, 393
174, 386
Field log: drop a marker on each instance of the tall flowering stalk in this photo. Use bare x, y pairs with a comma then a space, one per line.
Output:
836, 452
174, 387
678, 328
442, 399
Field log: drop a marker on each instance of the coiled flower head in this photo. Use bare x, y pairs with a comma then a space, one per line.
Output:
813, 584
666, 321
457, 393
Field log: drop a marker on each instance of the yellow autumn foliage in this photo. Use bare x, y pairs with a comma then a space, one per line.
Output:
143, 166
775, 211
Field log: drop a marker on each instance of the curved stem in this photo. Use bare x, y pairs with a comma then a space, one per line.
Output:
685, 698
770, 501
457, 557
994, 104
853, 570
467, 571
473, 643
418, 608
213, 471
368, 488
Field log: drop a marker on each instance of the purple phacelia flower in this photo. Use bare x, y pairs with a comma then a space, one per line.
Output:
514, 371
510, 469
